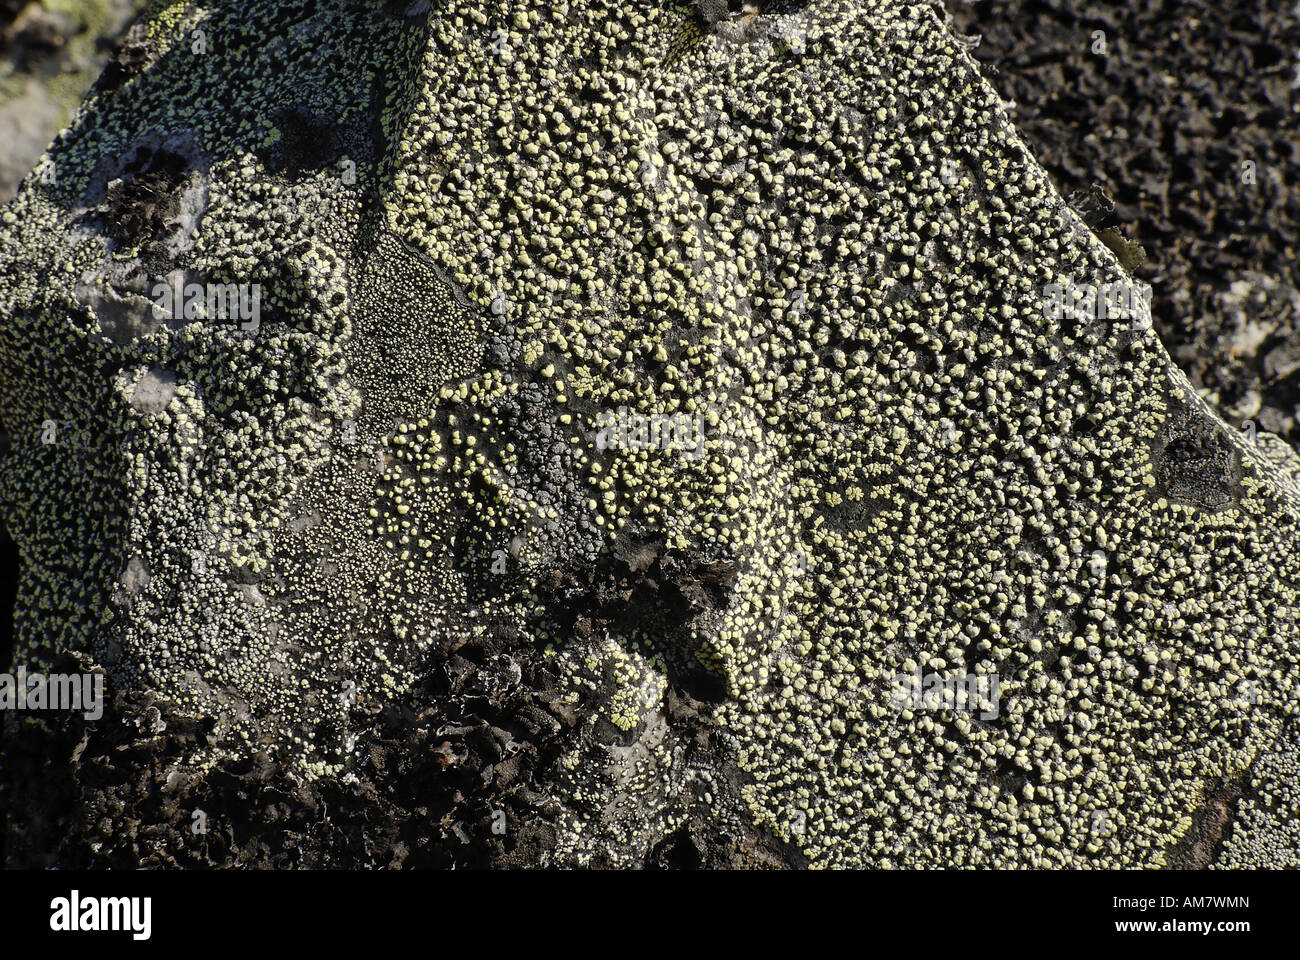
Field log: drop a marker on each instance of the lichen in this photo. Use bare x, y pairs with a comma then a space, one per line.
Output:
481, 230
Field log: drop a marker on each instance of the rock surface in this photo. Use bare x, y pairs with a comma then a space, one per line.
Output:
1186, 114
51, 51
549, 436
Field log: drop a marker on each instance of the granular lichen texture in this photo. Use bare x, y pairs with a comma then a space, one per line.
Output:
563, 433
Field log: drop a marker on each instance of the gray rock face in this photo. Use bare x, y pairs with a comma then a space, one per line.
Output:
641, 437
50, 53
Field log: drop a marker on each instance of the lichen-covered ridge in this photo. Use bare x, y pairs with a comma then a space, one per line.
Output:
806, 236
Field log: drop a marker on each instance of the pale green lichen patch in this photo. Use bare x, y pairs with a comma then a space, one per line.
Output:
811, 241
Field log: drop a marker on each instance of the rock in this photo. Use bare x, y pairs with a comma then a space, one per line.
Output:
1244, 407
50, 53
1186, 116
1282, 361
704, 461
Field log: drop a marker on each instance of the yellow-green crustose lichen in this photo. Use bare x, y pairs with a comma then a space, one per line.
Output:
811, 227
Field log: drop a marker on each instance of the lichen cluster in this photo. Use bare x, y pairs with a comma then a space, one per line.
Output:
480, 230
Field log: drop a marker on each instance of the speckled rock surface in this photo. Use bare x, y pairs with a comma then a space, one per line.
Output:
619, 400
51, 51
1185, 112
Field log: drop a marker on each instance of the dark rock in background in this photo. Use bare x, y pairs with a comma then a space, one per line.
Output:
1164, 105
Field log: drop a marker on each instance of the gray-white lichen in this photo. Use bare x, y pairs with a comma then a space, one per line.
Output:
477, 230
